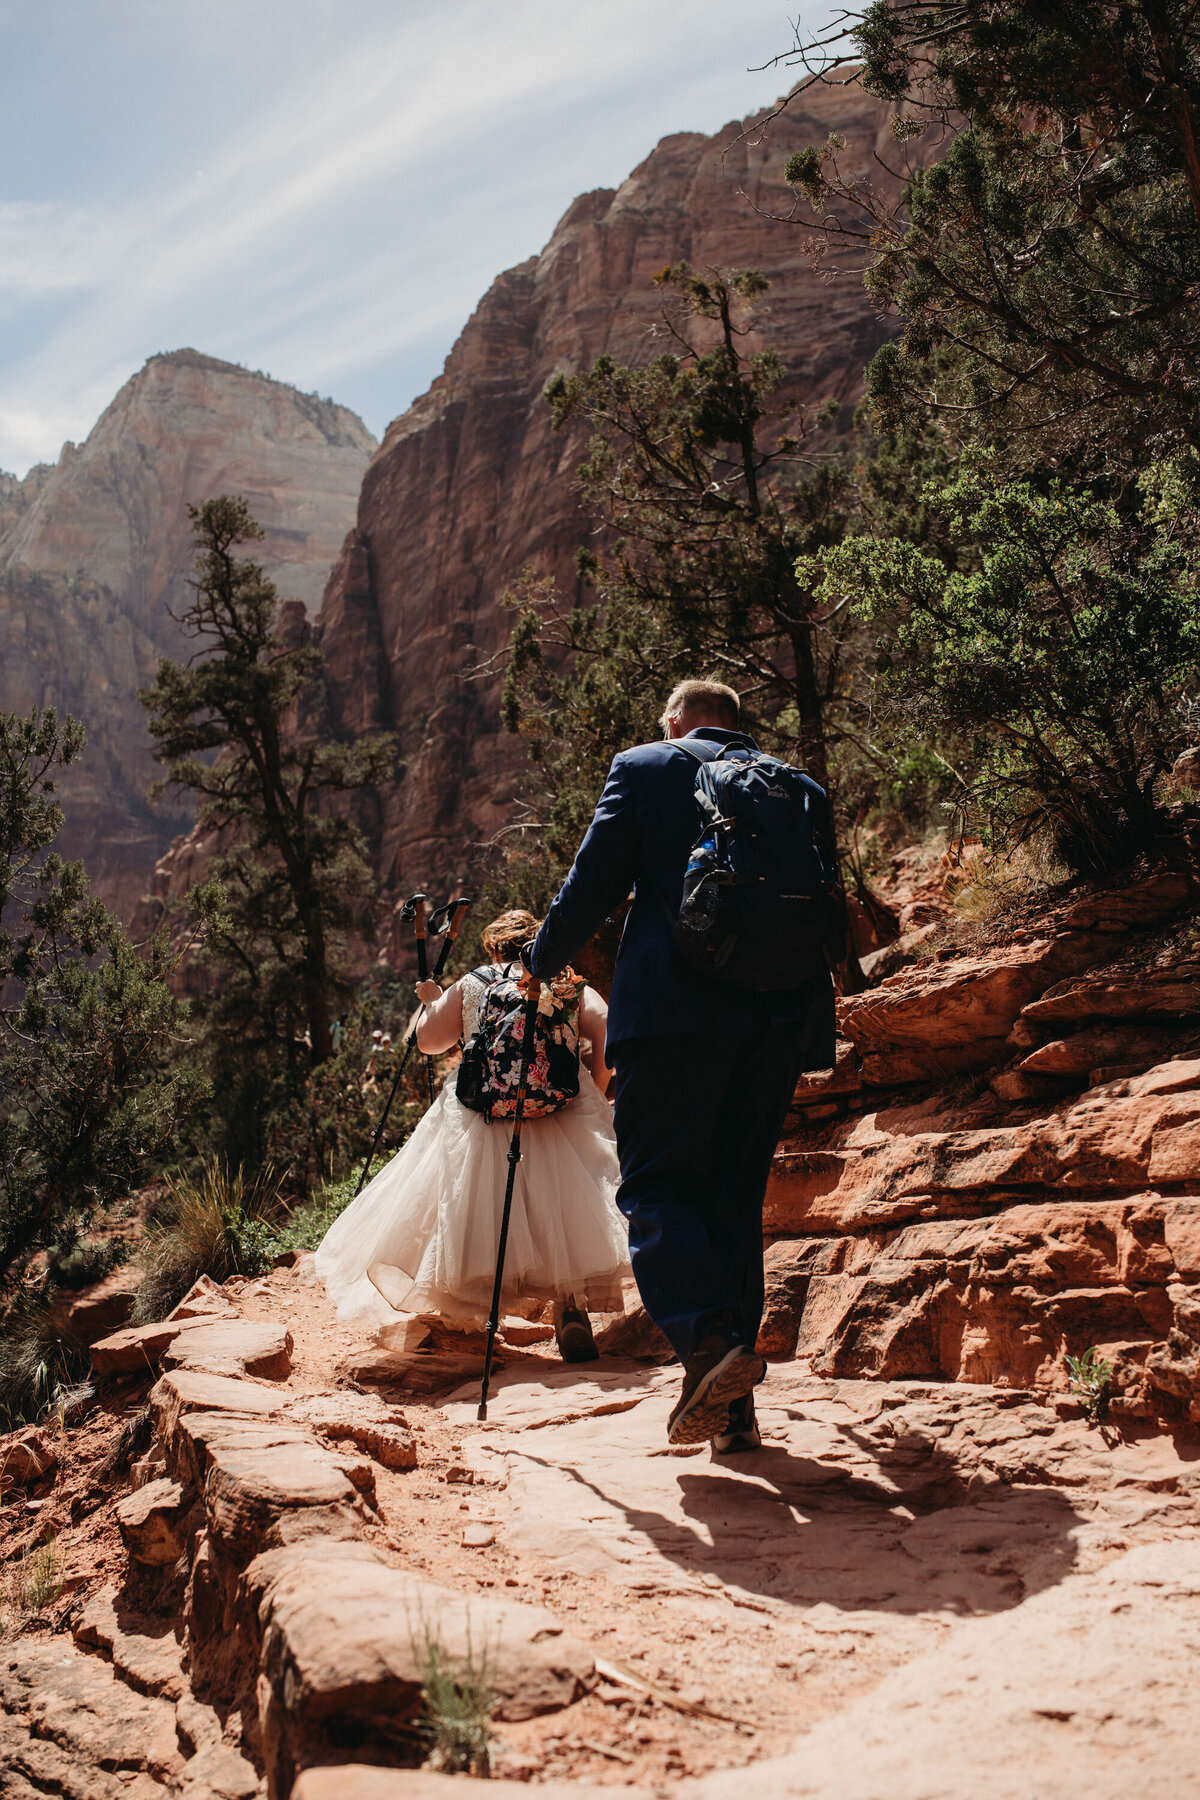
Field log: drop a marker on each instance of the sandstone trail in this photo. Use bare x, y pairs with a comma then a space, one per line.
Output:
936, 1579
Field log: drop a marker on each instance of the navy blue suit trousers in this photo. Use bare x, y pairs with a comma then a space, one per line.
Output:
698, 1117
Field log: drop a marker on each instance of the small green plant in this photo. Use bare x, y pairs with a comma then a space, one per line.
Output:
1090, 1378
41, 1577
458, 1702
221, 1223
309, 1223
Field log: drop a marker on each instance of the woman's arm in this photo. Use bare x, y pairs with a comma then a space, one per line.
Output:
593, 1025
442, 1025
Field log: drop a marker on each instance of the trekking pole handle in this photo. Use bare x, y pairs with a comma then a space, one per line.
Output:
419, 933
453, 913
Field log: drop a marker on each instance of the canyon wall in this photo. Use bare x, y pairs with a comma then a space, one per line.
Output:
94, 559
471, 484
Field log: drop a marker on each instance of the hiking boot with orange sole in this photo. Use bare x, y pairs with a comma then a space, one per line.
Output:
717, 1374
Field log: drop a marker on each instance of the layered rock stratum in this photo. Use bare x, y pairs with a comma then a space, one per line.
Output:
471, 484
95, 555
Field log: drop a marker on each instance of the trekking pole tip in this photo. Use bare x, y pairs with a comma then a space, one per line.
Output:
481, 1412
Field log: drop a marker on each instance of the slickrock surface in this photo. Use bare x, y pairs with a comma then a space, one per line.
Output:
96, 553
916, 1588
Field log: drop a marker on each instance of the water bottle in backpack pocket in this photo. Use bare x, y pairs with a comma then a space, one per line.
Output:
489, 1073
761, 904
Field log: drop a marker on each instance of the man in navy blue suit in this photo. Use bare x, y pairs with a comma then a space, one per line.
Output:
704, 1071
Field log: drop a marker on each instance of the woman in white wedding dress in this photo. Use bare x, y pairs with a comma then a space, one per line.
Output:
423, 1234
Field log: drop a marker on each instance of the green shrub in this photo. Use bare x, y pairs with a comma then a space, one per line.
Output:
1090, 1378
39, 1360
309, 1223
221, 1223
1055, 655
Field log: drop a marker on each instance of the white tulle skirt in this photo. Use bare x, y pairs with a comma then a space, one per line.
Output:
425, 1230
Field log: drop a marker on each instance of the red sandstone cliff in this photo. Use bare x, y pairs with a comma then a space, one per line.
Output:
95, 554
471, 484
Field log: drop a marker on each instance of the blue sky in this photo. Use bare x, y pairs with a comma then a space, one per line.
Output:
318, 188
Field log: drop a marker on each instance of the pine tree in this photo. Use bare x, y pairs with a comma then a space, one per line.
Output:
240, 726
89, 1101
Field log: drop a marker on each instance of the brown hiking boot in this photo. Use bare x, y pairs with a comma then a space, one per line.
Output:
717, 1374
573, 1334
741, 1430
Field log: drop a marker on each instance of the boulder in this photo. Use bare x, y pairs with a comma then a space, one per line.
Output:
136, 1350
824, 1084
25, 1456
1173, 1367
151, 1522
343, 1643
957, 1003
144, 1653
634, 1334
1151, 994
895, 1165
362, 1781
78, 1702
205, 1300
361, 1419
185, 1391
1132, 1046
232, 1347
1133, 908
259, 1480
1000, 1300
937, 1063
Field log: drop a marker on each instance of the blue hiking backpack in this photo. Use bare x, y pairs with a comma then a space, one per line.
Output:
761, 904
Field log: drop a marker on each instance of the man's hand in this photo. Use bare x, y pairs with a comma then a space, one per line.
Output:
429, 991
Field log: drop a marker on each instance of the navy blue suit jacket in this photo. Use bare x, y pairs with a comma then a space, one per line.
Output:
645, 824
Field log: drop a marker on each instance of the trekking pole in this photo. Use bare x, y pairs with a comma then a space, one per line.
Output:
514, 1157
448, 920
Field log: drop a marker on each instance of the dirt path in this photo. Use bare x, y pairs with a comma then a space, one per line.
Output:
914, 1591
943, 1587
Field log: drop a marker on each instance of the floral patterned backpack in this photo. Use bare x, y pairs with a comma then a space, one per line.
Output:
491, 1061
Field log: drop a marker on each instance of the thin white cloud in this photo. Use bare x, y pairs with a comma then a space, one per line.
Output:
48, 248
312, 240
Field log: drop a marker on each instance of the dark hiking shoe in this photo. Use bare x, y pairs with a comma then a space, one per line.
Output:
573, 1335
717, 1374
741, 1430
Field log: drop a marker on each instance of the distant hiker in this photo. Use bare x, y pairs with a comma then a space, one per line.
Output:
422, 1236
705, 1068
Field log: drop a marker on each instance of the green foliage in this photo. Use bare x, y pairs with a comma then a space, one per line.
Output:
241, 725
1090, 1378
87, 1102
703, 471
308, 1224
220, 1224
1046, 265
1058, 655
458, 1703
39, 1359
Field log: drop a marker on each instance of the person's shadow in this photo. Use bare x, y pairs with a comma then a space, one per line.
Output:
908, 1533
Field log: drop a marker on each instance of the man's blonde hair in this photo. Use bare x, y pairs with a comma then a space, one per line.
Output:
507, 936
703, 696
